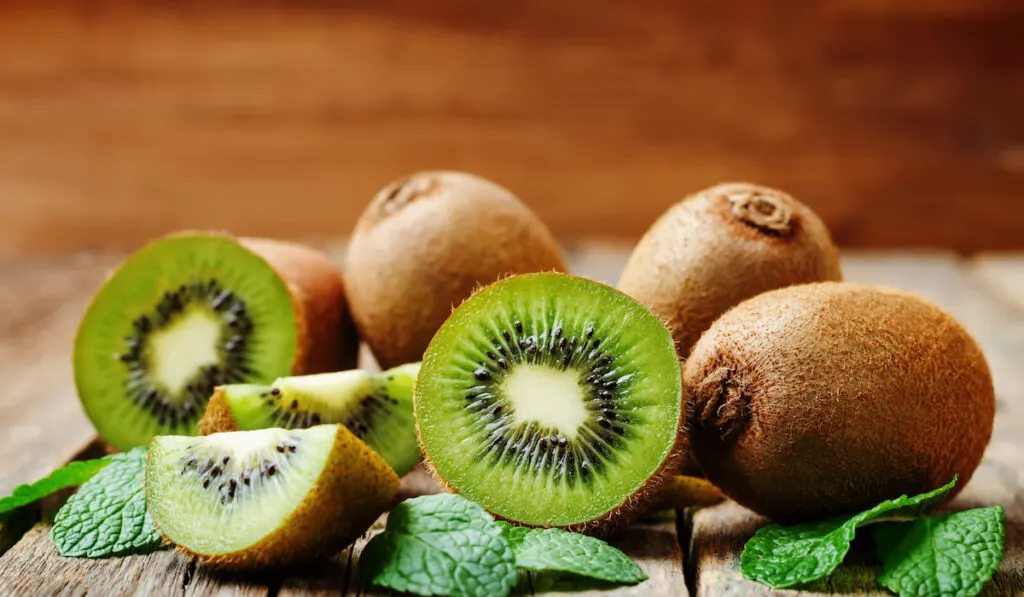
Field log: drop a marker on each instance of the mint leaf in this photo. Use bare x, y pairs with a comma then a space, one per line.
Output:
71, 475
542, 550
513, 534
944, 556
785, 556
107, 517
440, 545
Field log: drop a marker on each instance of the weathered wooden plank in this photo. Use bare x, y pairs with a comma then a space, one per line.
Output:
41, 304
720, 532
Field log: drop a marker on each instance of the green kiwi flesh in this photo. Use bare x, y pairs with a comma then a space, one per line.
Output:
376, 407
551, 401
181, 316
825, 399
270, 497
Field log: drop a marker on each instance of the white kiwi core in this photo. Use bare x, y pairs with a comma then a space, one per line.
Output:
551, 397
184, 346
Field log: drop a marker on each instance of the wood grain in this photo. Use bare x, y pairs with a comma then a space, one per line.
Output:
41, 304
902, 123
41, 301
720, 532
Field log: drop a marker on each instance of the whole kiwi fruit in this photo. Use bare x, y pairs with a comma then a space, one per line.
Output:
826, 399
424, 244
721, 246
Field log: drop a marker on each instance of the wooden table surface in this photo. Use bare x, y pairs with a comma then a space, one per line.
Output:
42, 426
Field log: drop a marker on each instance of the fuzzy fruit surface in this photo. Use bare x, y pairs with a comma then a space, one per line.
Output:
424, 244
721, 246
826, 399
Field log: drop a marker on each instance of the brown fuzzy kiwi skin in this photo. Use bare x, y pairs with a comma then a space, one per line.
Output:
355, 487
327, 338
826, 399
217, 417
654, 491
424, 244
720, 246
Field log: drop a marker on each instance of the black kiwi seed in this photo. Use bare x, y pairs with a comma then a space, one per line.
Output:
519, 326
482, 374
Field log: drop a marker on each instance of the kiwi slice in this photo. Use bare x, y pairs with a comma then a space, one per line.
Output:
376, 407
265, 498
551, 400
193, 311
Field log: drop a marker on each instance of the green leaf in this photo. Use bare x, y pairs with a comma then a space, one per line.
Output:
107, 517
440, 545
944, 556
785, 556
73, 474
513, 534
557, 550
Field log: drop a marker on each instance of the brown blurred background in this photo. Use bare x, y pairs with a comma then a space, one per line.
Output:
900, 122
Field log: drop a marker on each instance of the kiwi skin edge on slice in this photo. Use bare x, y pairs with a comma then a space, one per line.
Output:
552, 401
375, 406
319, 489
193, 310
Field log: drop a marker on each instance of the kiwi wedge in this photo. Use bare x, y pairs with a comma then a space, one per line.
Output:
825, 399
424, 244
193, 311
266, 498
552, 401
376, 407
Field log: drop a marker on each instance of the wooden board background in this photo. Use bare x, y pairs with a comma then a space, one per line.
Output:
902, 123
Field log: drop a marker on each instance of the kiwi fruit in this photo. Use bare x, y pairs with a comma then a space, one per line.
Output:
825, 399
552, 401
376, 407
424, 244
266, 498
192, 311
721, 246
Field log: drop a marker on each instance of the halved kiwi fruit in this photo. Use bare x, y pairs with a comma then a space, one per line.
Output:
376, 407
273, 497
424, 244
552, 401
193, 311
825, 399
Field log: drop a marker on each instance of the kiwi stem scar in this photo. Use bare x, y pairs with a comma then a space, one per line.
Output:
721, 405
762, 210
